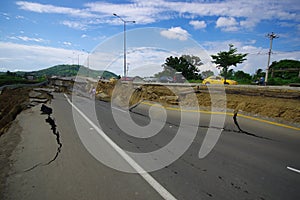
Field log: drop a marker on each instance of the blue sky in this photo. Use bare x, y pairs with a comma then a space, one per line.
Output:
41, 33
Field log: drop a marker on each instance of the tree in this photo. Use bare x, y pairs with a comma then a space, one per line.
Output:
186, 64
225, 59
206, 74
229, 74
285, 69
284, 72
242, 77
193, 60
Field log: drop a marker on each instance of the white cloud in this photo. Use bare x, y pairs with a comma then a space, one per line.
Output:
26, 39
67, 43
250, 13
256, 58
19, 17
227, 23
83, 36
47, 8
175, 33
249, 23
249, 48
142, 61
142, 12
33, 57
198, 24
75, 25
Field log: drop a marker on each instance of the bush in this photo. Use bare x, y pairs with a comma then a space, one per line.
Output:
280, 81
195, 81
243, 81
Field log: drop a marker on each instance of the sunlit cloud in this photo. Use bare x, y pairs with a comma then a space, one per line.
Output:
26, 38
47, 8
198, 24
67, 43
227, 23
175, 33
34, 57
75, 25
145, 12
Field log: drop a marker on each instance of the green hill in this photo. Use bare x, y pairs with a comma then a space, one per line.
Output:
20, 77
72, 70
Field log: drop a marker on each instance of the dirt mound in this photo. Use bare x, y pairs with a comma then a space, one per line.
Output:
281, 104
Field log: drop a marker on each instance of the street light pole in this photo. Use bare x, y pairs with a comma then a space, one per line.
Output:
271, 36
124, 21
125, 74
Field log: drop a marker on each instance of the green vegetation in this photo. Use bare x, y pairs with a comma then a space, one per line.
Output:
206, 74
284, 72
195, 81
258, 74
186, 64
225, 59
8, 78
73, 70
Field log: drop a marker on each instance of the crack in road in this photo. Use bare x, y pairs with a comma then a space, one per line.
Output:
240, 130
51, 122
56, 133
243, 131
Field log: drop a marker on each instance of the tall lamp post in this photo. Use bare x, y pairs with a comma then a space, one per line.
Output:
125, 22
271, 36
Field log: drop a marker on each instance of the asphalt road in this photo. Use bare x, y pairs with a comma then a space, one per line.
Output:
259, 163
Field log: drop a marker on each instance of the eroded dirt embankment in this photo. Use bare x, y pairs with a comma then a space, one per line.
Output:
271, 102
13, 101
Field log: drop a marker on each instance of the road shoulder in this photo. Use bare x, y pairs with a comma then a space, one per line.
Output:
31, 144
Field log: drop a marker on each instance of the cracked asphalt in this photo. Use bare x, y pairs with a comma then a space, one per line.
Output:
249, 161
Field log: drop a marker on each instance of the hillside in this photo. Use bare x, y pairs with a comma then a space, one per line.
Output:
20, 77
72, 70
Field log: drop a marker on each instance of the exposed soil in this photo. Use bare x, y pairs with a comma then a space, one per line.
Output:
12, 102
281, 104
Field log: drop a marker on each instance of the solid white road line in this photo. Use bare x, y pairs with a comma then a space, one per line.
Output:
154, 184
293, 169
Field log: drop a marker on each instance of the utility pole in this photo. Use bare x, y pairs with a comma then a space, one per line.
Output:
271, 36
